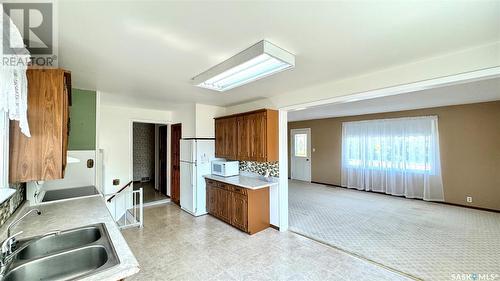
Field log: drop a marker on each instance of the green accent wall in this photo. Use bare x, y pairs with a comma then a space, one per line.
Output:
82, 120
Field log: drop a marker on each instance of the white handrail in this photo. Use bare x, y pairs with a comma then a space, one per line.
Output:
128, 208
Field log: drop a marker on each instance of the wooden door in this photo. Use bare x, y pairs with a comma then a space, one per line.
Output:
162, 159
223, 204
176, 133
239, 211
257, 127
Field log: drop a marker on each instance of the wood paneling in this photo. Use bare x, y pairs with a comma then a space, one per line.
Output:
245, 209
249, 136
43, 156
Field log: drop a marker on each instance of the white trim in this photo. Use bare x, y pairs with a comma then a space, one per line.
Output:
131, 143
4, 130
157, 157
169, 141
99, 153
461, 78
283, 169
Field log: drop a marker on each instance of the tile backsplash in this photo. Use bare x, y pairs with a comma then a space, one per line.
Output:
8, 207
260, 167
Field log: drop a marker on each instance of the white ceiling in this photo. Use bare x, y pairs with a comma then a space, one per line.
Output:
479, 91
145, 52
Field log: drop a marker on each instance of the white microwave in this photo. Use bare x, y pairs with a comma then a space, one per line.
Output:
225, 168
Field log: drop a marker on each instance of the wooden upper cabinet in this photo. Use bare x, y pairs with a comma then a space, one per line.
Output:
243, 142
43, 156
225, 136
251, 136
219, 137
230, 138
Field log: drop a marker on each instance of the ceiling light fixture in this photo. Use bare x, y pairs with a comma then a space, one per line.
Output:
258, 61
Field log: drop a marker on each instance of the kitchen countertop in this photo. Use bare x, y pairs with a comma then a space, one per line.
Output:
77, 213
246, 180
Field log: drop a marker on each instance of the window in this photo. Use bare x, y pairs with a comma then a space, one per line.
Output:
4, 150
300, 145
389, 152
406, 144
397, 156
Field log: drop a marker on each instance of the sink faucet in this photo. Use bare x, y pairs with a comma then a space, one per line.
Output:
8, 244
14, 223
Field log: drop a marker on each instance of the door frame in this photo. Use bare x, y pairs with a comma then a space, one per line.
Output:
131, 146
309, 150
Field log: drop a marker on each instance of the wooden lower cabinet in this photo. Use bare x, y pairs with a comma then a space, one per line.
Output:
224, 204
245, 209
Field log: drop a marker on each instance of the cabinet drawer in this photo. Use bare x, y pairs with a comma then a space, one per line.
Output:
240, 190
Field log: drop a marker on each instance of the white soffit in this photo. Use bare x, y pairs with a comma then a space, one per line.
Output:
472, 92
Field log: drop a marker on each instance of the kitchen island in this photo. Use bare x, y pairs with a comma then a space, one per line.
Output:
241, 201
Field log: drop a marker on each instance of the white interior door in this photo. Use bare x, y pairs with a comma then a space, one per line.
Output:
301, 154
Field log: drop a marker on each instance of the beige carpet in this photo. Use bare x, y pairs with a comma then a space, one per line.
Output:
429, 241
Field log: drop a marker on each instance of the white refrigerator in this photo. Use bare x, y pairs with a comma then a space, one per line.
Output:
196, 155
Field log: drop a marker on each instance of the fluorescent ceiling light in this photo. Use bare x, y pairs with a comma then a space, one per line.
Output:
260, 60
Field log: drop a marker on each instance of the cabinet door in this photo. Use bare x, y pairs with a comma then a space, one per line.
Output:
257, 124
43, 156
231, 138
223, 203
219, 137
239, 211
244, 134
212, 200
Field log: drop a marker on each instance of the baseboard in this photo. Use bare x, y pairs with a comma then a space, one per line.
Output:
274, 226
446, 203
323, 183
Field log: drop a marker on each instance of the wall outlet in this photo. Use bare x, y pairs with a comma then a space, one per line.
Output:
469, 199
116, 182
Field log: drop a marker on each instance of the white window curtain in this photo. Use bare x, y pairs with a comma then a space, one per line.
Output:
13, 80
397, 156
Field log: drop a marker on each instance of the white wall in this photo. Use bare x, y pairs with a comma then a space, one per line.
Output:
204, 119
197, 119
75, 174
115, 139
185, 114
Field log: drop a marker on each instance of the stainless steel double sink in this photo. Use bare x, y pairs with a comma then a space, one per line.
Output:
68, 255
